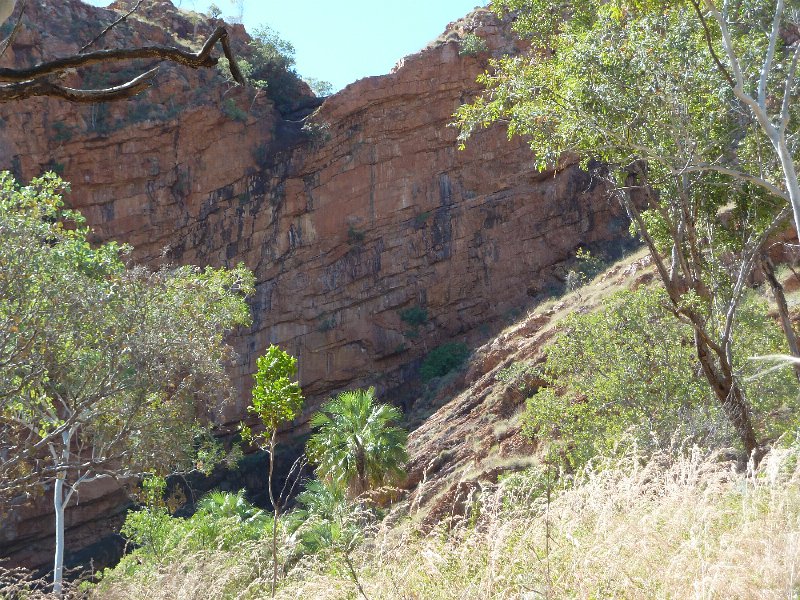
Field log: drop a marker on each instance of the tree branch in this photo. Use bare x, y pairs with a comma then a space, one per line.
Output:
700, 168
727, 42
767, 66
710, 44
747, 265
203, 58
27, 89
787, 91
110, 27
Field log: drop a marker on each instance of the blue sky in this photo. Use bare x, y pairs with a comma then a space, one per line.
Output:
342, 41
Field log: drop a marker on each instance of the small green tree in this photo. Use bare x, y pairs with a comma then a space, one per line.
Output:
471, 44
355, 445
320, 87
443, 359
277, 399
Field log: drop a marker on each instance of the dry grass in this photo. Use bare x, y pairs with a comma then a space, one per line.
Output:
688, 527
674, 528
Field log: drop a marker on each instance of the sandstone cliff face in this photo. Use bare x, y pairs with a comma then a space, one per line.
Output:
367, 212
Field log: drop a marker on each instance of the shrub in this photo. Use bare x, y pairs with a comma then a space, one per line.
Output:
271, 67
318, 132
320, 87
355, 237
214, 11
222, 522
414, 316
232, 110
587, 267
630, 368
327, 324
471, 44
421, 219
440, 361
517, 374
63, 132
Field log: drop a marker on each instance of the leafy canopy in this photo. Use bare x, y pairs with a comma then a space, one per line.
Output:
631, 80
276, 397
102, 366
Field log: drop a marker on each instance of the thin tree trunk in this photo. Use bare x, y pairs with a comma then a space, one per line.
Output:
274, 513
361, 468
58, 564
60, 504
715, 364
783, 311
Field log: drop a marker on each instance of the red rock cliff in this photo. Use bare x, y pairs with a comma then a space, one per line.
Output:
370, 211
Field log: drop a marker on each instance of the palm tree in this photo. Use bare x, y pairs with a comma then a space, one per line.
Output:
355, 445
227, 505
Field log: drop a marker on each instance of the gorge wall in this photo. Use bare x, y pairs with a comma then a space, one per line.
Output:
347, 215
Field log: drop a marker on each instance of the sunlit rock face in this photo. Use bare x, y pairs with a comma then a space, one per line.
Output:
348, 215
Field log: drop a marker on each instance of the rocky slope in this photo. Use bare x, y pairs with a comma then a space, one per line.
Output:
367, 211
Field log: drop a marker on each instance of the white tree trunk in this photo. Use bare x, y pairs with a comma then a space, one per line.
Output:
790, 176
58, 565
775, 132
60, 501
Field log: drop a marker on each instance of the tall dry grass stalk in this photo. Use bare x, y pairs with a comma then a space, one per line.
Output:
687, 527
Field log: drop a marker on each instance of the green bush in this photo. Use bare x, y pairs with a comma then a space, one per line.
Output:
517, 374
323, 518
271, 67
440, 361
355, 237
588, 266
471, 44
318, 132
414, 316
629, 371
214, 11
320, 87
222, 522
232, 110
63, 132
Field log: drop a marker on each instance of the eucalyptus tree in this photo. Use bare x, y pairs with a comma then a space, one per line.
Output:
104, 369
356, 444
684, 110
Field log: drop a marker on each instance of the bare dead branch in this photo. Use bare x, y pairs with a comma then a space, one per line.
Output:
168, 53
27, 82
37, 87
110, 27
